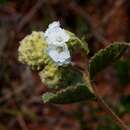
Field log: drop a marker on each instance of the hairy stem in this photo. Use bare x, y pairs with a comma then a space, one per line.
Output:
102, 103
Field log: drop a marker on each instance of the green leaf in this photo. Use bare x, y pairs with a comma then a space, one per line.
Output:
69, 95
105, 57
122, 71
70, 77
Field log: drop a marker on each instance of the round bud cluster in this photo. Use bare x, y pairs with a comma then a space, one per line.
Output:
32, 51
51, 75
50, 54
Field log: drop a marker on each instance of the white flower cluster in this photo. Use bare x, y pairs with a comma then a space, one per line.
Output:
56, 38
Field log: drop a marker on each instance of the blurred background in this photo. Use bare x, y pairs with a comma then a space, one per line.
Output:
101, 22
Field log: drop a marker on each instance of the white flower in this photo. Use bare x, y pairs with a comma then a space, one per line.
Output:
56, 38
59, 54
55, 34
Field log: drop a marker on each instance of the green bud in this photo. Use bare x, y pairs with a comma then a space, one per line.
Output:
32, 51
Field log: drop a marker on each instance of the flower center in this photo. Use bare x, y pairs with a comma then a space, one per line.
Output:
60, 49
59, 39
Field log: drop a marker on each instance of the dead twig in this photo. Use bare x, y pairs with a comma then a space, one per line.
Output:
22, 122
94, 31
30, 14
26, 77
113, 10
98, 30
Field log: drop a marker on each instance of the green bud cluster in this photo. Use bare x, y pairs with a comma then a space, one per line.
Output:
51, 75
32, 51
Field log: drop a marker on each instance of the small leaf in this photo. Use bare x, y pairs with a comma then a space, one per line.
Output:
75, 43
105, 57
68, 95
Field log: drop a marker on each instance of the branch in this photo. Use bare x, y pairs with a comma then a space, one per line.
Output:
30, 14
97, 33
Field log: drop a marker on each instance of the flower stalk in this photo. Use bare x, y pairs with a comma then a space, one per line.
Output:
51, 54
102, 103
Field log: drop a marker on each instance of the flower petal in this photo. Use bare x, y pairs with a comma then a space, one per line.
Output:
55, 34
60, 57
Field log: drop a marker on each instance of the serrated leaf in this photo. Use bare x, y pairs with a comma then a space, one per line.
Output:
105, 57
68, 95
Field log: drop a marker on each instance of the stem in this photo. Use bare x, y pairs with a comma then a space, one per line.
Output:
117, 120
